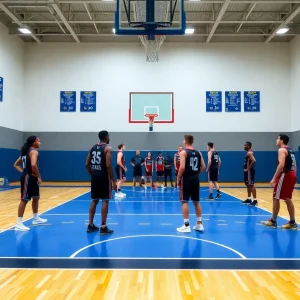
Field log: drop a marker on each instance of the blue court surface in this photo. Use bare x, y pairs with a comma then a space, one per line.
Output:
145, 236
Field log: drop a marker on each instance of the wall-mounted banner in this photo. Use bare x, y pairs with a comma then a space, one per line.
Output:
251, 101
88, 101
67, 101
1, 89
213, 101
233, 101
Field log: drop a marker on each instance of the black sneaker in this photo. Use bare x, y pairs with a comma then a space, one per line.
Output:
92, 228
210, 197
253, 203
247, 201
218, 196
105, 230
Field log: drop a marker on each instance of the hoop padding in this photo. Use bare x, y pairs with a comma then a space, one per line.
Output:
151, 117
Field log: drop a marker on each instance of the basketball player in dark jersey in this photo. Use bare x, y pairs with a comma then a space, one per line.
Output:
284, 181
149, 164
99, 166
159, 166
177, 163
213, 167
30, 181
191, 166
120, 170
249, 175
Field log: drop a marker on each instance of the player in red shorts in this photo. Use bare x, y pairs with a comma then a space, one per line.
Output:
284, 182
159, 165
177, 163
148, 168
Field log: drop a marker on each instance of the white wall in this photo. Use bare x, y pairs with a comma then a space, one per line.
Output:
12, 53
295, 83
188, 70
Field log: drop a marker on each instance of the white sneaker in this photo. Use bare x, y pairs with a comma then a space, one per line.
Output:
119, 195
39, 220
21, 227
122, 194
185, 229
162, 186
199, 227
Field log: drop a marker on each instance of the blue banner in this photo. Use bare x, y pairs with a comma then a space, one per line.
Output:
88, 101
233, 101
1, 89
251, 101
213, 101
67, 101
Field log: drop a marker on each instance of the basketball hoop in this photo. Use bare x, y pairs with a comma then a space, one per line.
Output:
151, 118
152, 46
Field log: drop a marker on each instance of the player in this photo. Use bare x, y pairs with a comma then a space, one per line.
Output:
120, 170
99, 166
168, 164
137, 161
30, 181
213, 167
148, 168
191, 166
249, 174
177, 163
159, 166
284, 181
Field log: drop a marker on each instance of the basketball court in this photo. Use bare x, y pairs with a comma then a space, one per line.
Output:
156, 95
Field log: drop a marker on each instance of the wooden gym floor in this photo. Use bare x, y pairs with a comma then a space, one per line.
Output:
140, 284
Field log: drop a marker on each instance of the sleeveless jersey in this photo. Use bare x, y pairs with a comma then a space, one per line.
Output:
98, 161
160, 163
26, 162
177, 160
248, 161
149, 162
289, 165
215, 158
122, 159
192, 163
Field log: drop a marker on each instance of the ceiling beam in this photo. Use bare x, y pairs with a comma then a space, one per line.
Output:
16, 20
64, 20
217, 22
250, 9
288, 20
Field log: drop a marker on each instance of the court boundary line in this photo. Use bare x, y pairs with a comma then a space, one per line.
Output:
42, 213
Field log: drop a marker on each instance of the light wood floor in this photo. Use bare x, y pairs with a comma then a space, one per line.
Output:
142, 285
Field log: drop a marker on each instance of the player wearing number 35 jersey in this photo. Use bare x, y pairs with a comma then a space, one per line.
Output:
99, 166
191, 166
284, 181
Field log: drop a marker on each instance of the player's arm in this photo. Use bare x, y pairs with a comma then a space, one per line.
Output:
253, 161
145, 163
220, 162
34, 159
182, 156
202, 166
17, 164
131, 161
295, 167
281, 161
88, 163
119, 160
175, 162
156, 164
209, 154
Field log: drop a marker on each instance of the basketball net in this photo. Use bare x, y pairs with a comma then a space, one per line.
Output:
152, 47
151, 118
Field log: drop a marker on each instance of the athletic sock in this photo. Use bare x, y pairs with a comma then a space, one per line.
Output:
199, 220
20, 220
35, 216
292, 222
186, 222
218, 191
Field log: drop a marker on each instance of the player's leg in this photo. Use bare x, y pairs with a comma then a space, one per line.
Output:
176, 172
139, 175
170, 175
184, 196
287, 194
253, 189
249, 188
95, 196
134, 174
195, 197
119, 173
166, 177
106, 195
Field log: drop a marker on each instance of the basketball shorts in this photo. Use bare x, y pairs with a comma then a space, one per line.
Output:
284, 186
249, 177
101, 187
168, 172
29, 187
213, 175
120, 172
189, 189
149, 173
137, 172
160, 173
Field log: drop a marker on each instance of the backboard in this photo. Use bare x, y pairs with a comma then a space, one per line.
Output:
150, 17
141, 104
